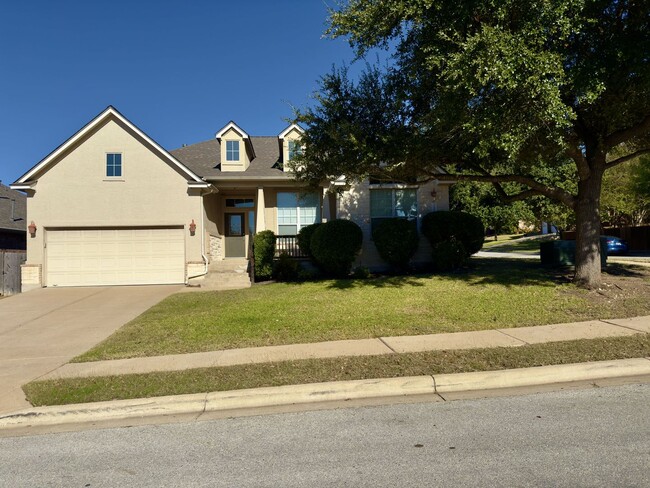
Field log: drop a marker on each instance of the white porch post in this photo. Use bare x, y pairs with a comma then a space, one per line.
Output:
326, 217
260, 221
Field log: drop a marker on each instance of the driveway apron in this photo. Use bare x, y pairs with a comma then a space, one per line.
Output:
45, 328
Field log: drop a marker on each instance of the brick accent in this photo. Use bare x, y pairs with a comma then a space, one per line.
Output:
31, 276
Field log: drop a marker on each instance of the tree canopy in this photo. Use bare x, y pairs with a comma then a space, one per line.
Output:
534, 94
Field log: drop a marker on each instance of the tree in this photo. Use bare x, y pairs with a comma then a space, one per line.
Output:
504, 92
626, 198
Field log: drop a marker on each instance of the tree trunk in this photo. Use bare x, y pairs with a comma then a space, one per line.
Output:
588, 228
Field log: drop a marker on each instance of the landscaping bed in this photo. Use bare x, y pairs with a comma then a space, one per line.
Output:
80, 390
487, 294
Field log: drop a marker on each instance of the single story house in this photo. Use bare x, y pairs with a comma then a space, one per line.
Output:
13, 226
110, 206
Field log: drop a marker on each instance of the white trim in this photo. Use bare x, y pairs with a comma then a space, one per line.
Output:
110, 111
231, 125
202, 184
21, 187
286, 131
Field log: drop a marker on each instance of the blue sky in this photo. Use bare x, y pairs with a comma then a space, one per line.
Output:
178, 70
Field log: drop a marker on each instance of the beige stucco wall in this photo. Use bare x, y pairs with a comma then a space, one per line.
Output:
291, 136
75, 192
354, 204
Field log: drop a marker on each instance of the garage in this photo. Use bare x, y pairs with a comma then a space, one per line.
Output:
115, 256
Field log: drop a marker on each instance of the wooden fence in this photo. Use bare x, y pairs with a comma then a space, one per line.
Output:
10, 262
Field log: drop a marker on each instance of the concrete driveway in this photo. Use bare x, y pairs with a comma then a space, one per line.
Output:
45, 328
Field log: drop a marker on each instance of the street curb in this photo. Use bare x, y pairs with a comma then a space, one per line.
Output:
198, 404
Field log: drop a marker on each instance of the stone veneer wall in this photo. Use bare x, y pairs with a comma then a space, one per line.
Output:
216, 247
31, 276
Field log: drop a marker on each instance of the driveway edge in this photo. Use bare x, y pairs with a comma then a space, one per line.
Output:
200, 403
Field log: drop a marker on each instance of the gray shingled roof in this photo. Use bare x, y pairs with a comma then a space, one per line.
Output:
13, 212
204, 158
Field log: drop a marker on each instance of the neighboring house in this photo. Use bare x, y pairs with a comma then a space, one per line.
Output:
13, 226
110, 206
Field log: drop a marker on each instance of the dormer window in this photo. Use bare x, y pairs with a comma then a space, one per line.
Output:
232, 150
294, 150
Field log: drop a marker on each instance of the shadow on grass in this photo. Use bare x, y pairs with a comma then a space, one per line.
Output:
626, 270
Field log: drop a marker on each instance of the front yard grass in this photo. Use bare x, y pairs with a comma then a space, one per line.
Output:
518, 244
489, 294
80, 390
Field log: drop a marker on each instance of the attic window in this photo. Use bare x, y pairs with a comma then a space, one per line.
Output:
232, 150
294, 150
113, 165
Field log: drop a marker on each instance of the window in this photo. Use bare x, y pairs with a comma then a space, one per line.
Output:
232, 150
388, 203
295, 211
294, 149
113, 165
240, 203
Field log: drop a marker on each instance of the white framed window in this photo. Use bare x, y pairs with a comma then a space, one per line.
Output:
113, 165
232, 150
295, 149
297, 210
393, 202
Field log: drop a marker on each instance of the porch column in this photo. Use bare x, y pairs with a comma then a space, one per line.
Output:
260, 221
326, 217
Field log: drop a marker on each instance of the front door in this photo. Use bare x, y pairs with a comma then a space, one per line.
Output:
235, 235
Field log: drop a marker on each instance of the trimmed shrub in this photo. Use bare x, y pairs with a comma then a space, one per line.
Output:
396, 241
361, 273
304, 238
264, 250
335, 245
448, 255
286, 268
444, 226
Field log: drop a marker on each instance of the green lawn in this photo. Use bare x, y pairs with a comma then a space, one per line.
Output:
78, 390
490, 294
517, 243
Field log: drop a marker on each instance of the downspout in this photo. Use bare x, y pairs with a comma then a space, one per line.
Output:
203, 256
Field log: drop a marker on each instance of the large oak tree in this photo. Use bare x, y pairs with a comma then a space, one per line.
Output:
500, 91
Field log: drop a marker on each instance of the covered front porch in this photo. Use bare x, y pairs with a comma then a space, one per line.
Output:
234, 214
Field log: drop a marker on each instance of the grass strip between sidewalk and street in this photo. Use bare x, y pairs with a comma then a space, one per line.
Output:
81, 390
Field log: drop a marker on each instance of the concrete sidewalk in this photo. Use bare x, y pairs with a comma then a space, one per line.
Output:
514, 337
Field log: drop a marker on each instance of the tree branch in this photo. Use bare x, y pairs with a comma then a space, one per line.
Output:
574, 152
505, 198
618, 137
628, 157
540, 189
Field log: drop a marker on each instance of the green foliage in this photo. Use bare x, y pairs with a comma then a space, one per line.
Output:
304, 238
514, 91
448, 255
286, 268
264, 250
335, 245
482, 201
360, 273
626, 194
396, 241
446, 226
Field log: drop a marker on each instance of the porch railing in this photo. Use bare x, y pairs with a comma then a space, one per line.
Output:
288, 245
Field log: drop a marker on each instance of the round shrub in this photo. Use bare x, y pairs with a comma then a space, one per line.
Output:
264, 250
448, 255
335, 245
396, 241
443, 226
304, 238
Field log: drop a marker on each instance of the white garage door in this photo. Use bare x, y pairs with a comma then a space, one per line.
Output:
141, 256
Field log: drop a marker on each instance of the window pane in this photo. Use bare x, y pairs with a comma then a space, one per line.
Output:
287, 200
381, 203
287, 230
406, 203
232, 150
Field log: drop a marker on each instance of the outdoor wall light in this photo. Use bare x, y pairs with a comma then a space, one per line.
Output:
192, 228
434, 194
32, 229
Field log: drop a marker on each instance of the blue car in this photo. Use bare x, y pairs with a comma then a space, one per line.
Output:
616, 245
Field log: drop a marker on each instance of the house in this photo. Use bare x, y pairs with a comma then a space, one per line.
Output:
110, 206
13, 226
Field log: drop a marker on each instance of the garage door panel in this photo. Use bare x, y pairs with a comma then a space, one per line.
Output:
78, 257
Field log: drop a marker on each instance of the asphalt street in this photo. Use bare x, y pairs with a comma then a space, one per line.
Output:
592, 437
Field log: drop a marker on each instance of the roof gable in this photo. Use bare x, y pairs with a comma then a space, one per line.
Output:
110, 112
289, 129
